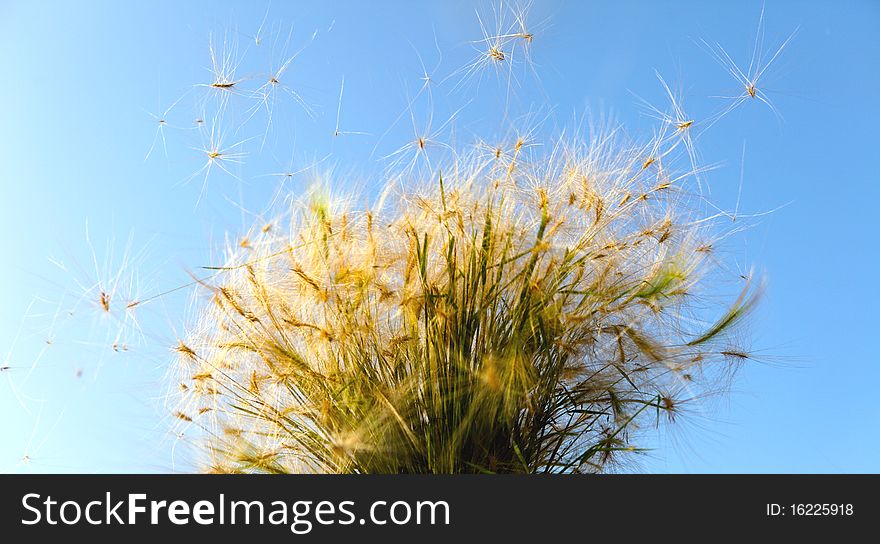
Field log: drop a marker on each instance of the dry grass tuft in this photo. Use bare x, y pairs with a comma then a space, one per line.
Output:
499, 319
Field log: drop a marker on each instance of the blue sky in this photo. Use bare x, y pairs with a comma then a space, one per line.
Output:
81, 79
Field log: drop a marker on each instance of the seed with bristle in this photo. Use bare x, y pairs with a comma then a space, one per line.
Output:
306, 278
231, 431
735, 353
104, 301
664, 235
185, 350
255, 383
398, 340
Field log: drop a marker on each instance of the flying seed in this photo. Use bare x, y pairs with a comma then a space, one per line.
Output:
104, 301
736, 354
749, 77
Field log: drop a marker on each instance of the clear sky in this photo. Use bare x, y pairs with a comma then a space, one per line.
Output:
80, 81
